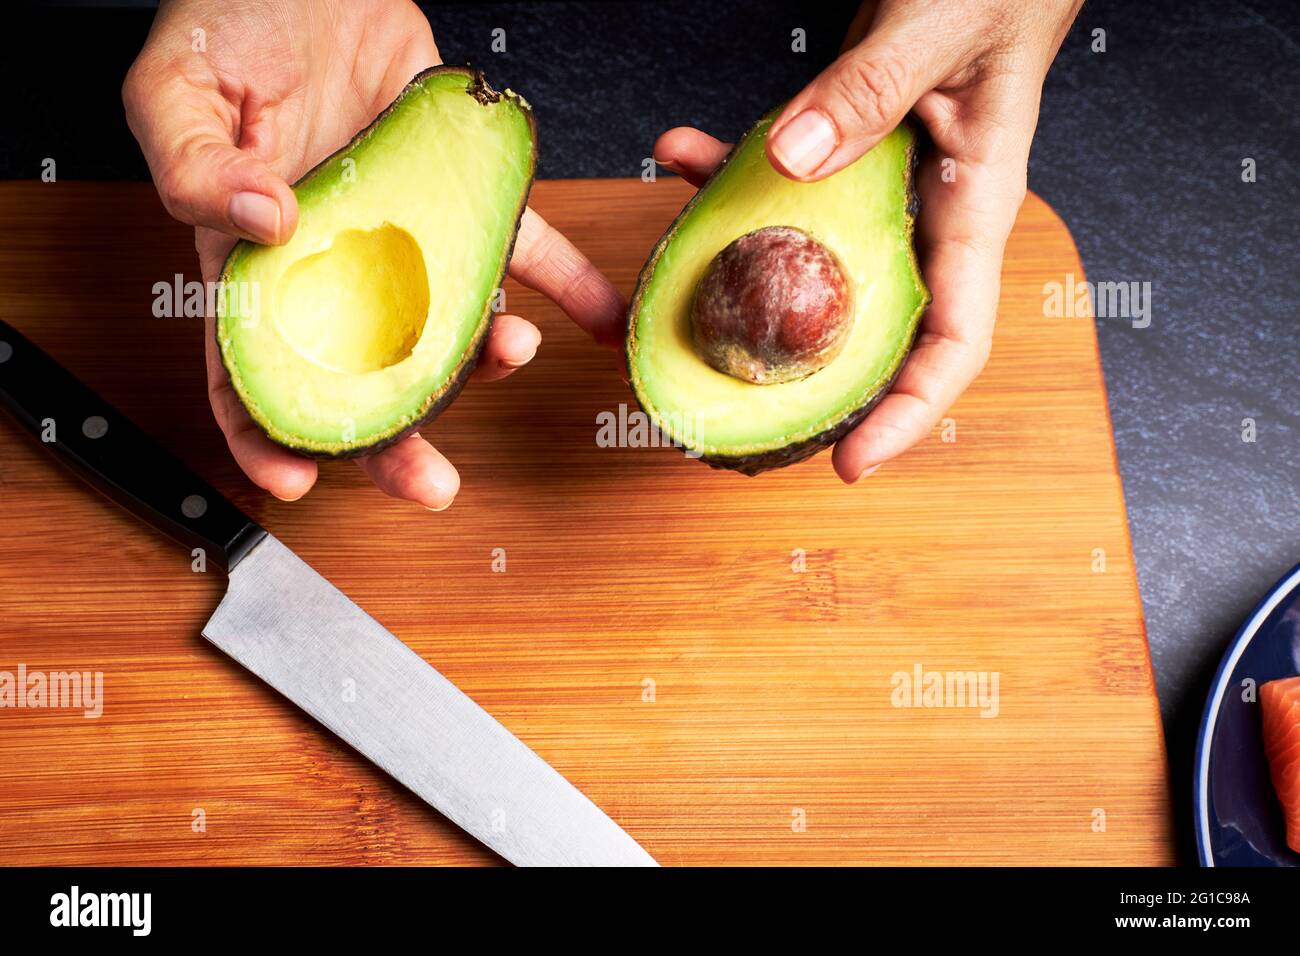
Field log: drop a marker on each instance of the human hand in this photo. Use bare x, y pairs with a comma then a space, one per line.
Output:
275, 89
972, 73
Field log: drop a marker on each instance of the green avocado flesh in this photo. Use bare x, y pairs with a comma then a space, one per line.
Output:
367, 322
864, 215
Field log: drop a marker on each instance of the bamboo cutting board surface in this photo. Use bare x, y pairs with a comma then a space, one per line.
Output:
651, 636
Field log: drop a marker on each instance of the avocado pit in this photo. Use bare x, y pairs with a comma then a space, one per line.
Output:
774, 306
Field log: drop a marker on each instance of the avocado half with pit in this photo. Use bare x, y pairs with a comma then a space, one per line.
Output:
368, 321
773, 315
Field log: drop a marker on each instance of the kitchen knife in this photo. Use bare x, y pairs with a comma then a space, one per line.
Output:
300, 634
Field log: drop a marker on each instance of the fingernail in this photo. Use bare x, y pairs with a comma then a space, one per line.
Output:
804, 143
511, 366
257, 215
866, 471
443, 508
283, 498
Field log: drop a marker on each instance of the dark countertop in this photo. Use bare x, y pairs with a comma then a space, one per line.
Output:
1140, 149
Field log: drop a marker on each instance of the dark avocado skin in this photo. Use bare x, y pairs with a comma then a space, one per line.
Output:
801, 450
435, 407
477, 87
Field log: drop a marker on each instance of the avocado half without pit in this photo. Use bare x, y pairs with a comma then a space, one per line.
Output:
368, 321
773, 315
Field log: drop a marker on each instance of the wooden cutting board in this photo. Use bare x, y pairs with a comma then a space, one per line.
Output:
652, 636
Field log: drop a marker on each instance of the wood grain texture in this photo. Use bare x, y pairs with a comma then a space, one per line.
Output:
772, 689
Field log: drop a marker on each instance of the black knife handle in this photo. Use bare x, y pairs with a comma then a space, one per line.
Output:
115, 456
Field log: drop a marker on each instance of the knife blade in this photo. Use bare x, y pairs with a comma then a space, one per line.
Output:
297, 632
304, 637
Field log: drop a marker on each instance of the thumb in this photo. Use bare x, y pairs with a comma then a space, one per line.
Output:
854, 103
204, 179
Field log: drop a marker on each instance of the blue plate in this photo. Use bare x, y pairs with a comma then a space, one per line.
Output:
1238, 817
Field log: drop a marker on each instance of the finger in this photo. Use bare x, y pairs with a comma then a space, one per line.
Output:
187, 130
545, 261
213, 247
860, 98
936, 372
962, 235
271, 467
690, 153
276, 469
415, 471
512, 342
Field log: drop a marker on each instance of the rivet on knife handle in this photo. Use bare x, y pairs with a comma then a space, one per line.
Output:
106, 449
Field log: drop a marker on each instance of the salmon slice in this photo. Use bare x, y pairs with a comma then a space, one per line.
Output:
1280, 703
